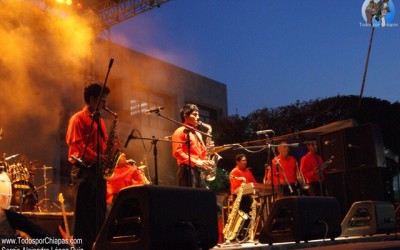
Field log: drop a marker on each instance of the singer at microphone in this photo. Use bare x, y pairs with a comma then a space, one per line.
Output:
154, 110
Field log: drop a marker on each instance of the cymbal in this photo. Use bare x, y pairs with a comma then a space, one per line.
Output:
10, 157
43, 168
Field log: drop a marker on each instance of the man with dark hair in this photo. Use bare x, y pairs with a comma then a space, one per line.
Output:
188, 173
87, 140
239, 172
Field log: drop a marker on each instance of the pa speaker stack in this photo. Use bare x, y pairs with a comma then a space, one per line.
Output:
154, 217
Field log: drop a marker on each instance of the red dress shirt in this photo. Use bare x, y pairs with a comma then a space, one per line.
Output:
288, 166
124, 176
78, 134
180, 150
237, 172
308, 164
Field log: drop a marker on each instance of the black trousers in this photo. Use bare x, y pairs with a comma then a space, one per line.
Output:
187, 176
90, 206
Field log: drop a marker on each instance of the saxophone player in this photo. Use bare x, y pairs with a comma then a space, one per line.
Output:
188, 173
87, 139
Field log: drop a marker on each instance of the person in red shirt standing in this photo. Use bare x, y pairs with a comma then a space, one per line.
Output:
188, 173
87, 140
283, 170
309, 165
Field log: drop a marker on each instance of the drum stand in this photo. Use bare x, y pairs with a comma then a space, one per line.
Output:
45, 199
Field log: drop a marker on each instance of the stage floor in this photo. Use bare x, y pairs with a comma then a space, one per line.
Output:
342, 243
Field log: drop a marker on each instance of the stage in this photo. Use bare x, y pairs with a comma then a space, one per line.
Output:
344, 243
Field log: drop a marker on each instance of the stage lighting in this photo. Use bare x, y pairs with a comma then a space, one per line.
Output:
68, 2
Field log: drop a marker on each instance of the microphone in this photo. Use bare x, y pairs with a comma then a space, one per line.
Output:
111, 63
264, 132
352, 146
154, 110
130, 136
331, 142
79, 161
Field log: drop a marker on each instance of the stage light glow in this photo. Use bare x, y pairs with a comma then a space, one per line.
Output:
68, 2
60, 1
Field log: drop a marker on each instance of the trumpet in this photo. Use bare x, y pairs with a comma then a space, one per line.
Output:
300, 178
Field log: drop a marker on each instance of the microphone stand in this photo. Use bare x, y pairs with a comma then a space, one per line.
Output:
188, 130
155, 152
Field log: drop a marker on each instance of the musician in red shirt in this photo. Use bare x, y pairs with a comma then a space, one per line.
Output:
309, 165
283, 170
236, 179
188, 173
87, 131
241, 171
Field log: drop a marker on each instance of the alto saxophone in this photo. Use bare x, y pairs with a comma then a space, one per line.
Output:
253, 222
112, 151
236, 217
209, 174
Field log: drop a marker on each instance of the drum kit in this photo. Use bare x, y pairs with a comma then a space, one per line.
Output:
16, 184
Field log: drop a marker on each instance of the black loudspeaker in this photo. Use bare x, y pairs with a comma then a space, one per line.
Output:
332, 144
364, 146
368, 218
370, 183
301, 219
336, 186
154, 217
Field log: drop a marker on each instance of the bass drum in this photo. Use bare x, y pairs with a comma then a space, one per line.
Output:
24, 195
221, 182
5, 191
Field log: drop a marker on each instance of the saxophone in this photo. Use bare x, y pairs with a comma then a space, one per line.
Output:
112, 150
209, 174
253, 222
236, 217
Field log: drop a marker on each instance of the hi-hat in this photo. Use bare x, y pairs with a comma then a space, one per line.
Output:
10, 157
43, 168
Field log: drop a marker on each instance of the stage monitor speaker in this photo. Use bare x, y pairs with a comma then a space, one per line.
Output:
369, 218
155, 217
302, 218
332, 144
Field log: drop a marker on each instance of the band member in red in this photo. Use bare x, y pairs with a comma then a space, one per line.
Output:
126, 173
188, 173
283, 170
239, 172
90, 200
309, 165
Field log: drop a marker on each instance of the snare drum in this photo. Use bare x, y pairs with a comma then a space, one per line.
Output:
5, 191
